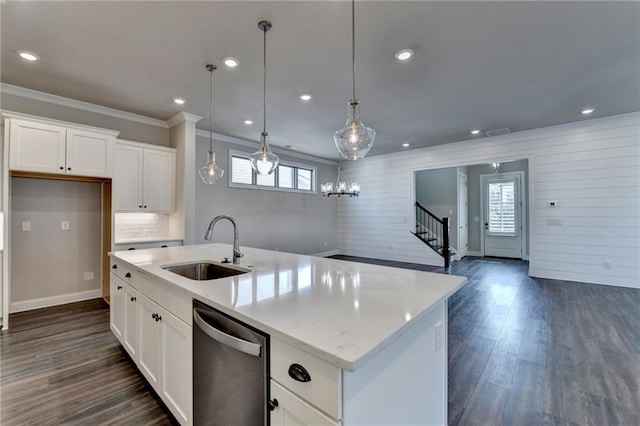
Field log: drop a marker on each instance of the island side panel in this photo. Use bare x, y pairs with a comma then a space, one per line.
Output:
406, 383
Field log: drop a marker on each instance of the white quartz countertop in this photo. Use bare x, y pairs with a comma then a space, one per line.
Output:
342, 312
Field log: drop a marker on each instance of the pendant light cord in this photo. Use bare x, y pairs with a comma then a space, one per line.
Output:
264, 83
353, 46
211, 70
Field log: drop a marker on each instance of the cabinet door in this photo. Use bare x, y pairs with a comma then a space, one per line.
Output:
130, 330
116, 306
89, 153
293, 411
149, 337
159, 181
128, 179
36, 147
177, 372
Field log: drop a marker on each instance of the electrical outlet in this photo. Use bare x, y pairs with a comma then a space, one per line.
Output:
64, 225
26, 226
88, 276
476, 219
439, 336
606, 264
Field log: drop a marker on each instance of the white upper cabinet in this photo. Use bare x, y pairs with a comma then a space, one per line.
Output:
45, 147
144, 178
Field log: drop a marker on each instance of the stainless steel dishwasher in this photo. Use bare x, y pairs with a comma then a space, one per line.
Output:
230, 370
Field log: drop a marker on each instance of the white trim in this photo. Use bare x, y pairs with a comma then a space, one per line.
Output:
145, 145
474, 253
21, 116
27, 305
254, 145
459, 176
183, 117
326, 253
23, 92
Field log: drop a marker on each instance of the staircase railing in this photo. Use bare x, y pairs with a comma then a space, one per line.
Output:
434, 232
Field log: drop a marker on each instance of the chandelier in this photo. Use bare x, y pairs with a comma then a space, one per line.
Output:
341, 187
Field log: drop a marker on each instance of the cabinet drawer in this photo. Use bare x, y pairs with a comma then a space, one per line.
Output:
292, 410
121, 270
324, 390
174, 301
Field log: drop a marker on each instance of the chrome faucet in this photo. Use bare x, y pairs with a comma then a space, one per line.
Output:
236, 241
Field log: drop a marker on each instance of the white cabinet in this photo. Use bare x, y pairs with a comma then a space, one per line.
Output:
293, 411
158, 338
130, 328
44, 147
165, 357
116, 306
144, 178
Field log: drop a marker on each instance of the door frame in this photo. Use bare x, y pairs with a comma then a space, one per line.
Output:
523, 208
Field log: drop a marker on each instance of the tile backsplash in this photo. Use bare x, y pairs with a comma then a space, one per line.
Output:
131, 226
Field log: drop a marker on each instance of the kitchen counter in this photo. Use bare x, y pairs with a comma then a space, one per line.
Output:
342, 312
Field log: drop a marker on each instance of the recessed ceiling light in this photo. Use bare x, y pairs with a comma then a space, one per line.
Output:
179, 101
406, 144
248, 122
475, 132
29, 56
231, 62
588, 110
305, 96
404, 54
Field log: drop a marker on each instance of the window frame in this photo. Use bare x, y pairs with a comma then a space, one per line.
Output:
254, 185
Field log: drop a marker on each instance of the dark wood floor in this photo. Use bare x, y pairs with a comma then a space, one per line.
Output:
522, 351
527, 351
63, 365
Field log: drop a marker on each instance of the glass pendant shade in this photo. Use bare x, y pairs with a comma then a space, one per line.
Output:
355, 139
211, 173
264, 161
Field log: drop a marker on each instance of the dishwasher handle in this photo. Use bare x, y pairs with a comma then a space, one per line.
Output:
224, 338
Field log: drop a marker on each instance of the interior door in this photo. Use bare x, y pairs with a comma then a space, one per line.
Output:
463, 215
502, 215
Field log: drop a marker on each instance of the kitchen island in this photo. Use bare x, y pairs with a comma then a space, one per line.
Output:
375, 337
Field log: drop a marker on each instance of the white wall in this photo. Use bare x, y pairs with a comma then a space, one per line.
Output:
590, 168
274, 220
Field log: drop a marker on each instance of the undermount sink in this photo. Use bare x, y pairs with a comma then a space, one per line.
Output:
202, 271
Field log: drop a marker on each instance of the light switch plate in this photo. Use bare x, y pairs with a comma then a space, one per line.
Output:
64, 225
26, 226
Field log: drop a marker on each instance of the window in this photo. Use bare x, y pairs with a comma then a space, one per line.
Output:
502, 208
287, 177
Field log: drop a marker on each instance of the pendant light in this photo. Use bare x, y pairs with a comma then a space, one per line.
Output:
354, 140
264, 161
211, 173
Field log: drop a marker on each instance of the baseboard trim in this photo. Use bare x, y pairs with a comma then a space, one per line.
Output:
326, 253
474, 253
27, 305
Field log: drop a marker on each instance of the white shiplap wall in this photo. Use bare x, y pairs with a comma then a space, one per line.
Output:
590, 168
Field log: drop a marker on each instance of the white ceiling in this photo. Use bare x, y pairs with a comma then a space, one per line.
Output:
483, 65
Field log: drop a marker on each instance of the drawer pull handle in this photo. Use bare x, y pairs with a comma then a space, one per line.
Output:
128, 275
114, 267
119, 287
163, 246
299, 373
131, 248
133, 299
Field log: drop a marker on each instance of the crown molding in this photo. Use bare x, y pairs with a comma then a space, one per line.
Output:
23, 92
183, 117
254, 145
11, 114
